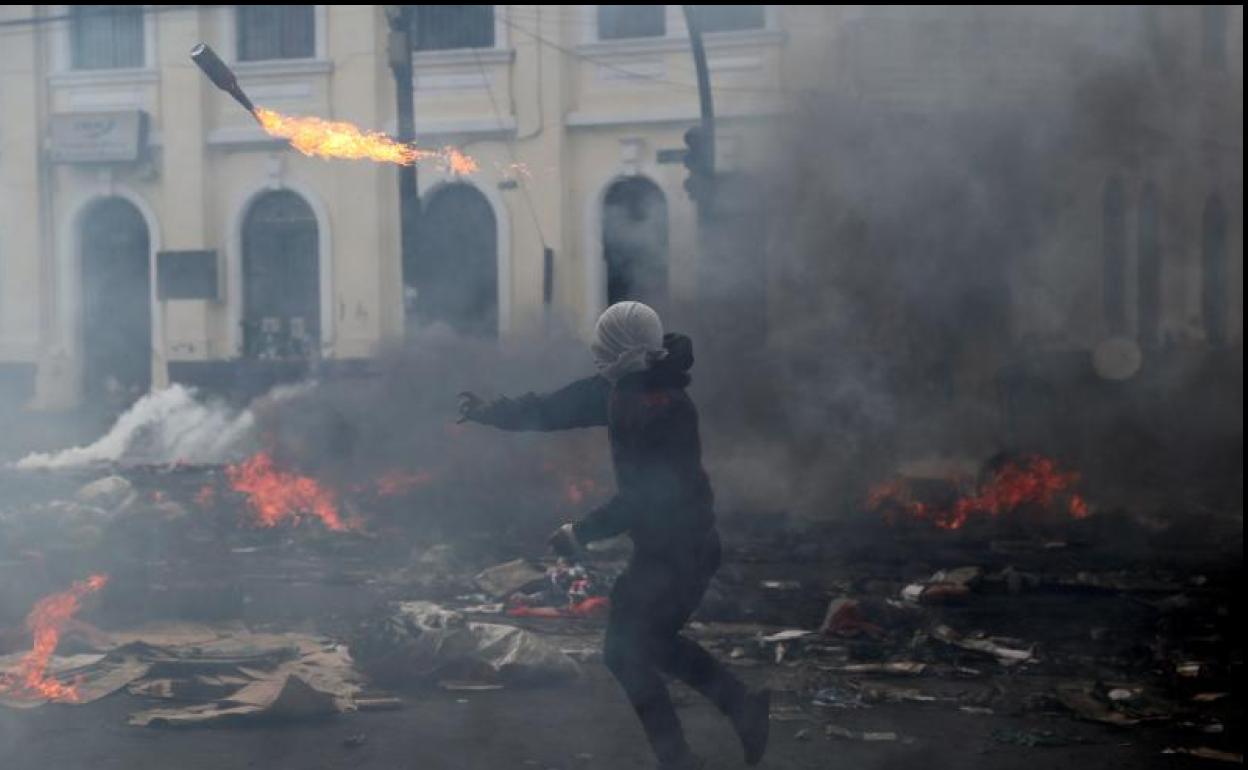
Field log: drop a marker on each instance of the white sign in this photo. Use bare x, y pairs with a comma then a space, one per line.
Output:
98, 137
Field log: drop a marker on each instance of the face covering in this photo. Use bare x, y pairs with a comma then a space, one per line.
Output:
628, 338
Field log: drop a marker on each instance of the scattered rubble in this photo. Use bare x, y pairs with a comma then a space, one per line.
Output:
943, 586
1031, 738
1008, 652
868, 736
983, 624
1204, 752
505, 579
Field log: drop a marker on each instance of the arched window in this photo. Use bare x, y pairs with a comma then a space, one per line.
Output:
116, 301
1149, 262
456, 272
634, 242
281, 278
1114, 256
1214, 286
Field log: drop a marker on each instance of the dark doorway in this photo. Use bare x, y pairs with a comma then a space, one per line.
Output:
456, 275
634, 242
281, 278
1214, 285
116, 302
1149, 270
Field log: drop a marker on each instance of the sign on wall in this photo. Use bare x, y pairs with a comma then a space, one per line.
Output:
98, 137
186, 275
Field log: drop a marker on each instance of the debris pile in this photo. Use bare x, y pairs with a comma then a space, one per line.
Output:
1043, 622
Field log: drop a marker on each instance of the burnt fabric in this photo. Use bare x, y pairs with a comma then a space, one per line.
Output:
664, 503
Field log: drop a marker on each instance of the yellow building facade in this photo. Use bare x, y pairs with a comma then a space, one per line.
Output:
558, 105
151, 232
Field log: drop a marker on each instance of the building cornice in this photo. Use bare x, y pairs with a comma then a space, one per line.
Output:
110, 77
680, 115
716, 41
462, 57
279, 67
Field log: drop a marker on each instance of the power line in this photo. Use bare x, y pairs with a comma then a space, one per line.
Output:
34, 21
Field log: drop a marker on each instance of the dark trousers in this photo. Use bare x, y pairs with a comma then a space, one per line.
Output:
650, 603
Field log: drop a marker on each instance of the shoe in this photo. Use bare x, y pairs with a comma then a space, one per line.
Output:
753, 724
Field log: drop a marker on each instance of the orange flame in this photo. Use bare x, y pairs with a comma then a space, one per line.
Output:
276, 495
315, 137
1033, 481
45, 622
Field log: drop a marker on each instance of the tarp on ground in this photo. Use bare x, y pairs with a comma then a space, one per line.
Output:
207, 673
422, 642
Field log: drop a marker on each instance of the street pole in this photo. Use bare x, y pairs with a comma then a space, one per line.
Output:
399, 47
706, 107
701, 185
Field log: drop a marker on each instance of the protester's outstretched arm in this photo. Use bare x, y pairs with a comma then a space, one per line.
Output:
581, 404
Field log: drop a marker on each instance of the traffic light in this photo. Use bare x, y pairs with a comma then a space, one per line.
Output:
701, 164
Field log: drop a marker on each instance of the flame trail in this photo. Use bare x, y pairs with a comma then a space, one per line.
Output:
45, 622
276, 495
320, 138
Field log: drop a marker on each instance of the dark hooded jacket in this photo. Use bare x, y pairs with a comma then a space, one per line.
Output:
664, 499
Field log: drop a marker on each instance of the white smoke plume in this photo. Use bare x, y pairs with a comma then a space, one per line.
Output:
167, 426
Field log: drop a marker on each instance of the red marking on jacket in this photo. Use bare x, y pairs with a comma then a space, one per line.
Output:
656, 400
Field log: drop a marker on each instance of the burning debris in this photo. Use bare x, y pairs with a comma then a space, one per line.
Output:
46, 621
277, 496
1008, 487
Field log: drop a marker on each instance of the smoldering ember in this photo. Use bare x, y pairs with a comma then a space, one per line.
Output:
571, 387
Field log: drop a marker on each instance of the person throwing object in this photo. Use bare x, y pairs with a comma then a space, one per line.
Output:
664, 503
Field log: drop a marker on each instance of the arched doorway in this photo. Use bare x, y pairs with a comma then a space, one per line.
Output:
1149, 250
1214, 286
281, 278
455, 278
634, 242
1114, 256
116, 301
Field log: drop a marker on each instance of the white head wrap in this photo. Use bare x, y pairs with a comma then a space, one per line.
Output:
628, 338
